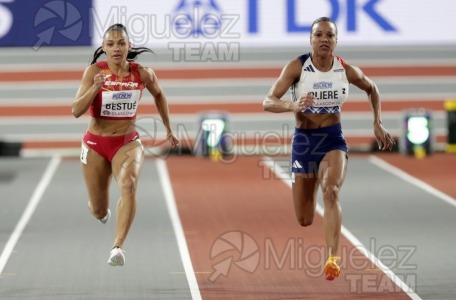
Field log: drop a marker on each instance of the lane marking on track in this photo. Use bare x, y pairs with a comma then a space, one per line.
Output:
286, 178
411, 179
29, 210
177, 226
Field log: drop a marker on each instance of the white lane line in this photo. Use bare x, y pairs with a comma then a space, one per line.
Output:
29, 210
286, 178
178, 230
410, 179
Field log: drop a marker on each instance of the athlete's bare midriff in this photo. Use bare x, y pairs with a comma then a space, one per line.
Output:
104, 127
313, 121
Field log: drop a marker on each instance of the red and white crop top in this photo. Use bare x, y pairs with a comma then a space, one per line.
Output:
330, 89
119, 97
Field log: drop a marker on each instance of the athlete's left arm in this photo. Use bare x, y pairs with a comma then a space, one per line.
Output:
150, 81
356, 77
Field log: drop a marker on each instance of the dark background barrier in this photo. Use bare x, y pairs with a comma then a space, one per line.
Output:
10, 148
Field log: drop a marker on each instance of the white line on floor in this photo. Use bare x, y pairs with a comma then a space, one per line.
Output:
177, 226
410, 179
286, 178
29, 210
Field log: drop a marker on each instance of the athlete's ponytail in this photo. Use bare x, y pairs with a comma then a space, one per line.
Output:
97, 54
132, 53
135, 51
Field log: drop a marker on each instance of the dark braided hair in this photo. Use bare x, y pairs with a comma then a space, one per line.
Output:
322, 19
132, 53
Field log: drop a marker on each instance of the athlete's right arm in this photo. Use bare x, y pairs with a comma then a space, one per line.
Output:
91, 83
290, 74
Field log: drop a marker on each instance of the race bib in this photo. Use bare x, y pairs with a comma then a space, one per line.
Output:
84, 151
120, 104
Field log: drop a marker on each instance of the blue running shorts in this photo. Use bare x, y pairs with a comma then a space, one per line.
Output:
309, 146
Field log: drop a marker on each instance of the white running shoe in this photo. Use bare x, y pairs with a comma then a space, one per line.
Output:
106, 218
116, 258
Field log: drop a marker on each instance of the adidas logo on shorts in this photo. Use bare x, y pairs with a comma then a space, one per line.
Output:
297, 165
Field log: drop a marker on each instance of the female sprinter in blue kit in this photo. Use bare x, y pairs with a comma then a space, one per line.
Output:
319, 83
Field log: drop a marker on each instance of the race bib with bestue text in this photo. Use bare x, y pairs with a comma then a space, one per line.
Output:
120, 104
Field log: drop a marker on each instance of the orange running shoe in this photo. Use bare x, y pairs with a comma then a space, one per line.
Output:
332, 270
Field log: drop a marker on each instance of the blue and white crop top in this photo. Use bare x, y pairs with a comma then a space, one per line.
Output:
330, 89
